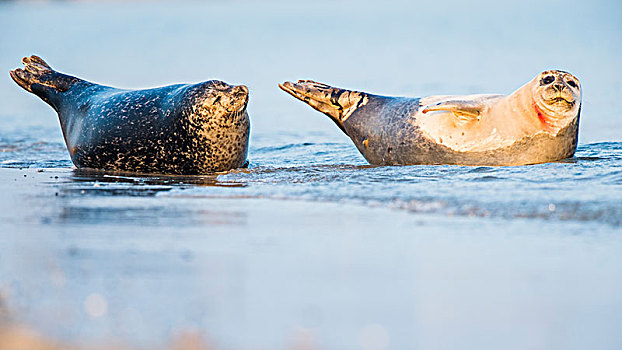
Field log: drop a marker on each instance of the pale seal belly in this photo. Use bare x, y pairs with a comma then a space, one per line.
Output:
535, 124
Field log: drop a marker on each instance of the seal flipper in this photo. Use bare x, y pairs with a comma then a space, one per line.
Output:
40, 79
336, 103
465, 111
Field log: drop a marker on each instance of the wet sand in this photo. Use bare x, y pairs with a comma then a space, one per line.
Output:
92, 267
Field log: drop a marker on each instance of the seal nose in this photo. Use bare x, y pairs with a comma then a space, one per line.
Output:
558, 87
238, 98
240, 90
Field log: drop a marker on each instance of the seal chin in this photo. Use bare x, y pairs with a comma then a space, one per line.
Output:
559, 104
558, 96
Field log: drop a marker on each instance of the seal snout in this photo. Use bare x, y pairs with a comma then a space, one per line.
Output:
241, 89
559, 94
234, 99
240, 92
239, 98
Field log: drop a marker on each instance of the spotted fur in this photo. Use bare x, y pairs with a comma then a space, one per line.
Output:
178, 129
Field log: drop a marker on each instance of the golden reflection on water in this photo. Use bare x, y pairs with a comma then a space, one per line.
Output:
18, 337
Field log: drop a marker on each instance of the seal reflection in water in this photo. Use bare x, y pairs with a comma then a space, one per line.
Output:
537, 123
178, 129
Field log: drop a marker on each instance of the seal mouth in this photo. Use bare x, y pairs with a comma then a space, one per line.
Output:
242, 109
242, 106
241, 92
560, 101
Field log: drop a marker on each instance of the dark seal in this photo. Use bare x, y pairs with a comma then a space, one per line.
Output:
178, 129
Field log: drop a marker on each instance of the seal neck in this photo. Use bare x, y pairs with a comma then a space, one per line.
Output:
532, 115
541, 116
515, 113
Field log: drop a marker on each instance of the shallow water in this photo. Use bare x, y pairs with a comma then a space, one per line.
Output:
310, 246
586, 188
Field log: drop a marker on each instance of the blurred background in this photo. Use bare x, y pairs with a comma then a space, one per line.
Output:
311, 248
396, 48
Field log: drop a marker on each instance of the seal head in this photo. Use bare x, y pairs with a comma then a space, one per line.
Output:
222, 99
557, 98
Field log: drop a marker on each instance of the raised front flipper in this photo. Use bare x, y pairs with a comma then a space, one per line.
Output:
465, 111
40, 79
336, 103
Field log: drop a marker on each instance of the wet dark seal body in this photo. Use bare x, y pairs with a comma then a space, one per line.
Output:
538, 123
178, 129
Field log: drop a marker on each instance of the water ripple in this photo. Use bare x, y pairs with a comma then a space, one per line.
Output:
587, 187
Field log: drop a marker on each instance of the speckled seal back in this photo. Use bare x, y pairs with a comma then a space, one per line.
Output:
178, 129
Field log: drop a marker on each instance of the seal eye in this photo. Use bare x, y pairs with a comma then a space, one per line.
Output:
547, 80
572, 83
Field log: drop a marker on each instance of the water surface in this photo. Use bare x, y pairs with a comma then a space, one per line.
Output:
310, 247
